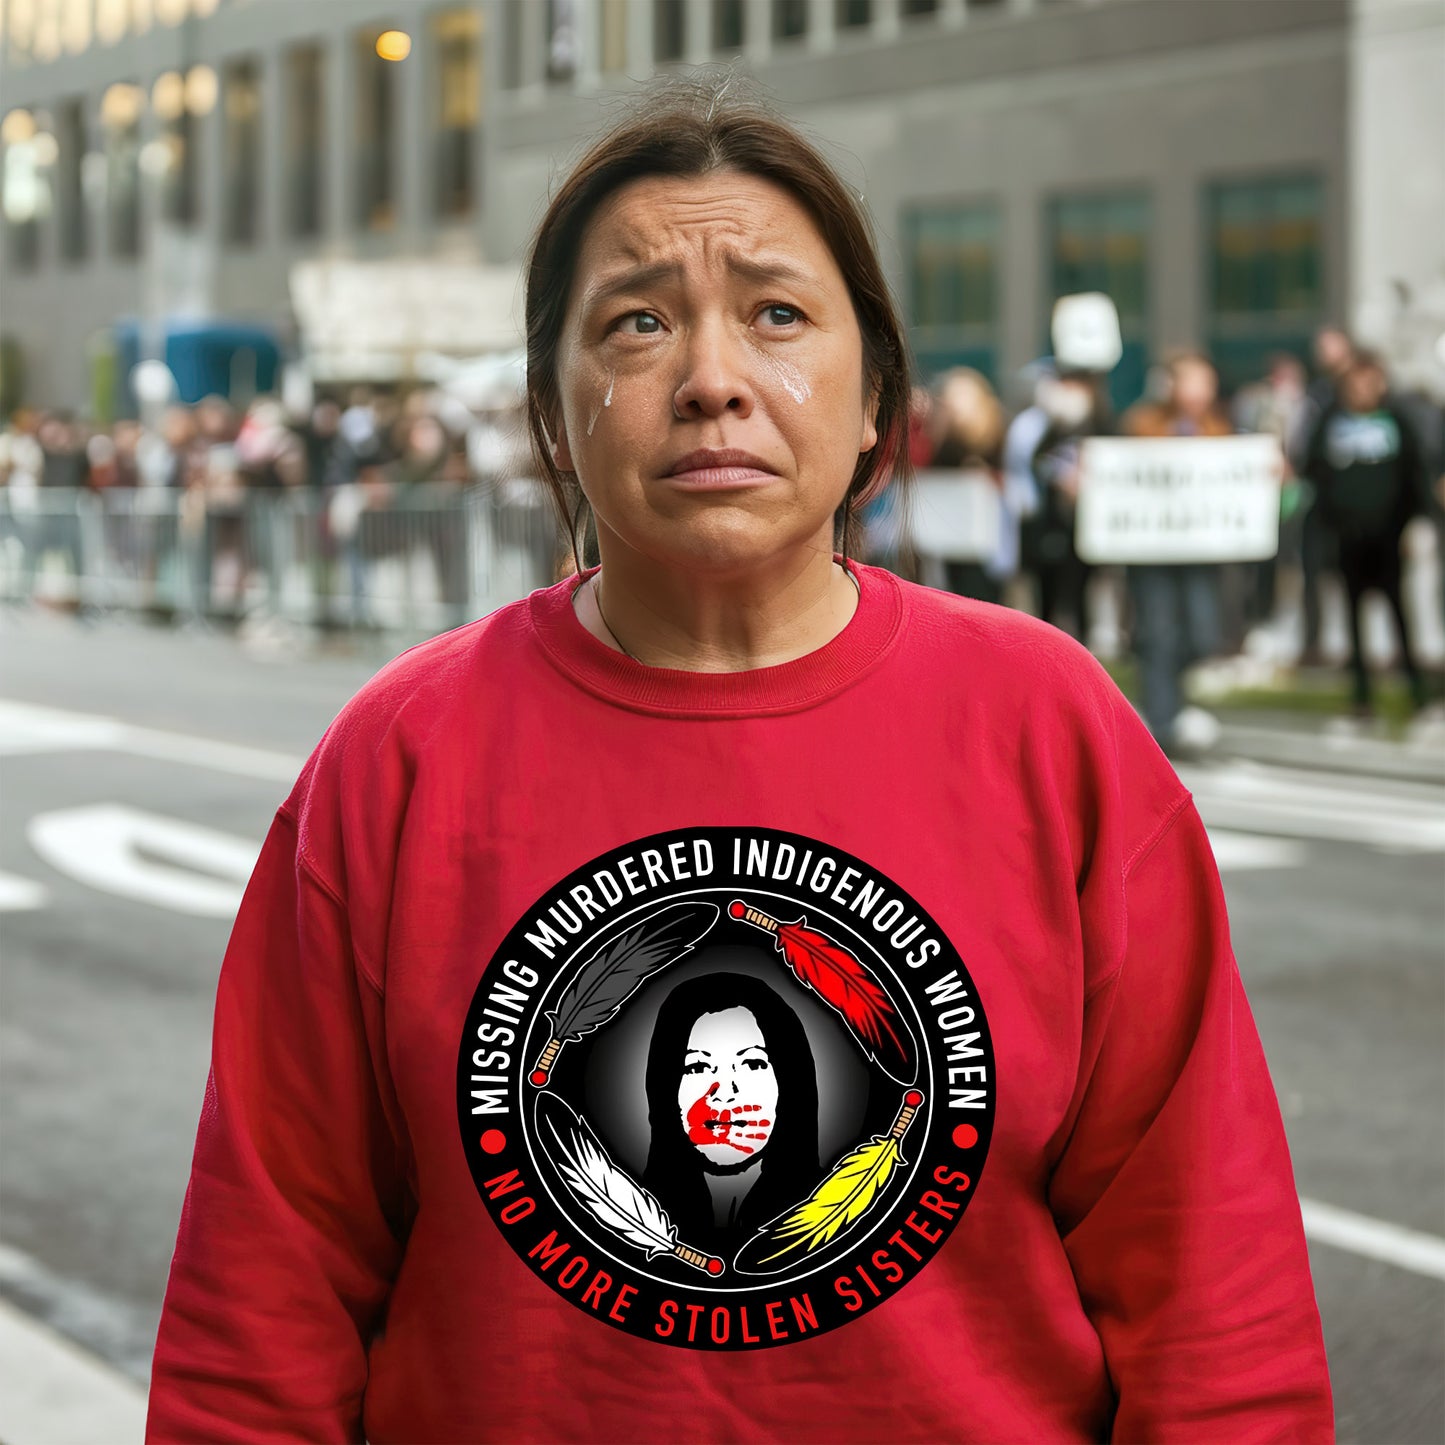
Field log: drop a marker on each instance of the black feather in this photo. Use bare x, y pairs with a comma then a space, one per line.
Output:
616, 971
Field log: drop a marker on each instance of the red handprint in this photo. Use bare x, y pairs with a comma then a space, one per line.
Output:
707, 1125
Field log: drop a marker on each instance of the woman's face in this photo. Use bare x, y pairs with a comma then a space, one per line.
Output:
708, 316
727, 1097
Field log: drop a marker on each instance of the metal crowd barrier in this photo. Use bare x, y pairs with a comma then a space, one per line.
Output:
414, 559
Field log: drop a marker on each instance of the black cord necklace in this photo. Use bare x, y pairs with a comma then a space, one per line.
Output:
597, 598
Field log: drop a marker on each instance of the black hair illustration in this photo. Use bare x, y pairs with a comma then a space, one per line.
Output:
786, 1168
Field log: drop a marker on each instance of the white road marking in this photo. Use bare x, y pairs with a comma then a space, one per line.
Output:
19, 895
144, 856
52, 1392
1410, 1249
26, 728
1290, 802
1250, 852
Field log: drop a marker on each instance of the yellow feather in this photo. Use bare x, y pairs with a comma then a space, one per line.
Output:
845, 1195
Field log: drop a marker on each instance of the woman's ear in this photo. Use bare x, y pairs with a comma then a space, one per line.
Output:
561, 451
869, 438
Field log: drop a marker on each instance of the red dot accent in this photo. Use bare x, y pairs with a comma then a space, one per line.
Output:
714, 1266
538, 1077
913, 1098
737, 910
965, 1136
493, 1141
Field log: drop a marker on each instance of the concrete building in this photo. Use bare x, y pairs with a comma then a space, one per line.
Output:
1232, 174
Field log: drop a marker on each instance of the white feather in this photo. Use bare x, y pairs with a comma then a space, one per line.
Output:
624, 1207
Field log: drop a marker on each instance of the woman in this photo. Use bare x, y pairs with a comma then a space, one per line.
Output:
1176, 606
970, 422
732, 1101
730, 707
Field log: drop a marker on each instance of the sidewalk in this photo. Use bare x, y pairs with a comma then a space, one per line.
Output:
1332, 744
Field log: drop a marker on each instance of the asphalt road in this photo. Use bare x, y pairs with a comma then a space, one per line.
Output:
1334, 885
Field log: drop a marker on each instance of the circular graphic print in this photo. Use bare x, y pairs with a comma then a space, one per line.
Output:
726, 1088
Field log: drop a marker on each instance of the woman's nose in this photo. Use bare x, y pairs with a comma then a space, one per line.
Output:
716, 378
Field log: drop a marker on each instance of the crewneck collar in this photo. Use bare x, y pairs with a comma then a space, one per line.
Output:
786, 687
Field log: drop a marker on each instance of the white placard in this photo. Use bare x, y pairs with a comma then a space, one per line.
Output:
1085, 331
955, 515
1178, 499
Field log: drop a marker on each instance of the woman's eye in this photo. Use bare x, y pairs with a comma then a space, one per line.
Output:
640, 323
780, 315
696, 1067
756, 1064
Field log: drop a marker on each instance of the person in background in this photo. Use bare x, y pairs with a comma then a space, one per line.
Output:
1176, 605
1333, 354
968, 438
1368, 469
64, 473
1075, 407
1273, 406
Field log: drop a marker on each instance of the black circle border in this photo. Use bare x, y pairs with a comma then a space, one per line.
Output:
937, 1154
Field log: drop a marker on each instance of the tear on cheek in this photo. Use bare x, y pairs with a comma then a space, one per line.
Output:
606, 402
787, 376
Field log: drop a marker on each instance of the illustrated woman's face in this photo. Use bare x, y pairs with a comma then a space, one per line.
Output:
728, 1095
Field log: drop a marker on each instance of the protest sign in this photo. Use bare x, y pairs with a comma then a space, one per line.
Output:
1178, 499
955, 515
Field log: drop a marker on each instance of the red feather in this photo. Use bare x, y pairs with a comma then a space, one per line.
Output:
845, 984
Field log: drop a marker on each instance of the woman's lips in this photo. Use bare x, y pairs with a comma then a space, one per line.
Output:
718, 469
720, 479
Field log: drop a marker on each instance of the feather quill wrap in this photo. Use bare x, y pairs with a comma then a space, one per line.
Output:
846, 1194
609, 1195
617, 970
847, 986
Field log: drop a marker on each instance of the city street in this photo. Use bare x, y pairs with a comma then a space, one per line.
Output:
141, 769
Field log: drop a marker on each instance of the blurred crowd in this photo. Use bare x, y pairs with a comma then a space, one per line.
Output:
355, 465
1361, 461
384, 439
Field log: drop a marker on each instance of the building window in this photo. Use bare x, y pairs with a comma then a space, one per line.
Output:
241, 164
853, 14
18, 17
305, 138
561, 39
24, 187
178, 149
458, 109
1266, 276
612, 34
911, 9
667, 35
951, 252
512, 43
70, 186
1101, 243
727, 25
375, 130
790, 19
110, 21
120, 112
46, 44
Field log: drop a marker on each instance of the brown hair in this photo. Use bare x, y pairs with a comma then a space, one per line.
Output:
693, 128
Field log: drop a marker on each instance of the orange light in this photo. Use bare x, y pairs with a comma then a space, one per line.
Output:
393, 45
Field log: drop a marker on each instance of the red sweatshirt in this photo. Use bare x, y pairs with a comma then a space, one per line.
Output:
847, 1050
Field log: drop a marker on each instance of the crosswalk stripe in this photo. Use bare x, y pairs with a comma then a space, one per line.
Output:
1410, 1249
53, 1392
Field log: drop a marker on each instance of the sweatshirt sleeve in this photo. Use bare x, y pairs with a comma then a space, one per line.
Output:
1174, 1191
293, 1219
